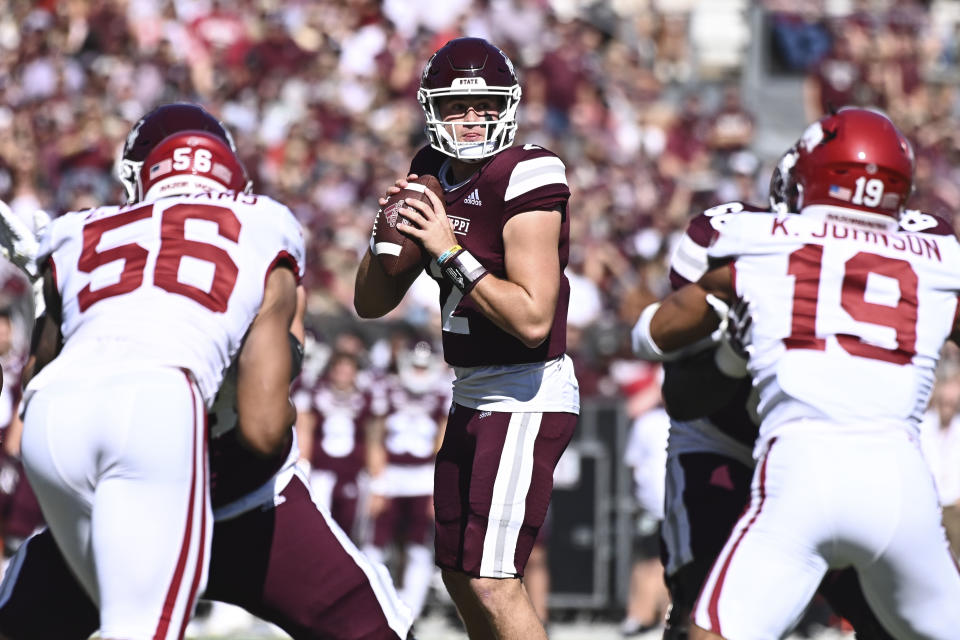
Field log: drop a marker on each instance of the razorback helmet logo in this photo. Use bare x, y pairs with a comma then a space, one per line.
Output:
158, 125
470, 67
854, 158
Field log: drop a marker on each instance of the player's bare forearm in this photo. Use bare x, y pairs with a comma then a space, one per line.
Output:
305, 424
523, 305
297, 327
376, 294
515, 309
12, 438
46, 345
376, 430
685, 316
47, 340
264, 411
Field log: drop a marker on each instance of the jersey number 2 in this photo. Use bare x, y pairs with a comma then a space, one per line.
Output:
805, 264
174, 247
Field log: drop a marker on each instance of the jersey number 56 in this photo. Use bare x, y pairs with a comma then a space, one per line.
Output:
174, 246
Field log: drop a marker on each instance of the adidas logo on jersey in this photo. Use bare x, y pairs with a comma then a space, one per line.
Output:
473, 198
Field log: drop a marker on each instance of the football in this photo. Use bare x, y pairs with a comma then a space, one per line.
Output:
399, 253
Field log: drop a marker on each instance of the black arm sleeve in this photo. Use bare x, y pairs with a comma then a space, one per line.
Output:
296, 357
694, 388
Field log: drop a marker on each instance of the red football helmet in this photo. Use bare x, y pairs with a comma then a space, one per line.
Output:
188, 162
470, 66
160, 124
853, 158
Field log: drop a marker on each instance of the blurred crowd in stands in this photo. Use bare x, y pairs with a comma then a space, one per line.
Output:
321, 98
648, 115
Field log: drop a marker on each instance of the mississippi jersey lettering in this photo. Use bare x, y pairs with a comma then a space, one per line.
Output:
185, 273
845, 303
517, 180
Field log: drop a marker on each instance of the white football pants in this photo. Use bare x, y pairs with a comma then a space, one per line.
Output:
118, 463
826, 498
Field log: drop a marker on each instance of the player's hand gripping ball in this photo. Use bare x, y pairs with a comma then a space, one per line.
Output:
397, 252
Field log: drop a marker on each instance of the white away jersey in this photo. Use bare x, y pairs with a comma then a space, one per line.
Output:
172, 282
850, 311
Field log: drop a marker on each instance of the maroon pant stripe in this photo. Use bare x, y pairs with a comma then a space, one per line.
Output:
203, 526
171, 599
712, 608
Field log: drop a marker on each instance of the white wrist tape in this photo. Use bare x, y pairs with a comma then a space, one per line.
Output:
643, 345
646, 349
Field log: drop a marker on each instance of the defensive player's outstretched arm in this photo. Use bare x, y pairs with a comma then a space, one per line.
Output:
375, 294
686, 316
264, 411
47, 339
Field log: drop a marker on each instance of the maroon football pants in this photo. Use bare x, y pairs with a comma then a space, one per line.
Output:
285, 565
493, 481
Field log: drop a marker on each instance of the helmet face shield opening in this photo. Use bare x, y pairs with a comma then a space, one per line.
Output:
499, 132
471, 69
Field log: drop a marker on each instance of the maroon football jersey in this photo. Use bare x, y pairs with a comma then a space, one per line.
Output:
516, 180
340, 433
412, 422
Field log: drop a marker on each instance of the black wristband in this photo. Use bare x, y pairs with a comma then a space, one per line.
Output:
37, 332
463, 270
296, 356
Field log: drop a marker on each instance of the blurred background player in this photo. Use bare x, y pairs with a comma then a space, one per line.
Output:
503, 299
836, 395
646, 456
406, 440
336, 417
20, 513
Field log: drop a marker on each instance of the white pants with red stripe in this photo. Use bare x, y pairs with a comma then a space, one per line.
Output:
118, 463
825, 497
